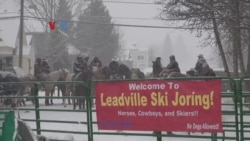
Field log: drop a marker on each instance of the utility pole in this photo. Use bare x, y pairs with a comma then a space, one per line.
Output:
21, 35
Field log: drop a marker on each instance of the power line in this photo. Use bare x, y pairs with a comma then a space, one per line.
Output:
114, 24
131, 2
122, 25
123, 18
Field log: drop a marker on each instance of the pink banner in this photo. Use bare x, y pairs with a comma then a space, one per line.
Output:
160, 105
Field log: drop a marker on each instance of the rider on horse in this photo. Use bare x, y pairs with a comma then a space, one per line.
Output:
38, 70
96, 62
157, 67
202, 68
114, 68
119, 71
80, 66
173, 66
45, 66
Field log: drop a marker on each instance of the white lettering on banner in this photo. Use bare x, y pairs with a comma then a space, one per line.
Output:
203, 126
142, 86
149, 113
126, 113
187, 113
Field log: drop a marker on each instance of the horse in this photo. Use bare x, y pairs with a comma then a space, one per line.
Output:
99, 73
166, 73
49, 87
119, 71
25, 88
67, 88
137, 74
9, 89
193, 72
78, 89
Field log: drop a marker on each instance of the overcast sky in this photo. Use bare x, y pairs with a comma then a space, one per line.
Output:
145, 14
133, 12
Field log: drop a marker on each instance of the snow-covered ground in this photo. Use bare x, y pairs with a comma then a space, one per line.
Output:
80, 126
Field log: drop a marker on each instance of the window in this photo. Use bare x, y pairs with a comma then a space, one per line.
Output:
140, 57
9, 61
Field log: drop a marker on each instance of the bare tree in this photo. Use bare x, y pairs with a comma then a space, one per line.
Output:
224, 18
55, 42
45, 10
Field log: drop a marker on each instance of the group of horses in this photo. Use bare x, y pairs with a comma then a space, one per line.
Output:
75, 85
17, 86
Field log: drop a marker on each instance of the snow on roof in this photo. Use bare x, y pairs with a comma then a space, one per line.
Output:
32, 25
9, 25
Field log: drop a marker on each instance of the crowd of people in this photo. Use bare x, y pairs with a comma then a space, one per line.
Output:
201, 67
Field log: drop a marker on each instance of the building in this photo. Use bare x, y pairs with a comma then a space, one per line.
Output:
9, 39
134, 57
6, 57
140, 58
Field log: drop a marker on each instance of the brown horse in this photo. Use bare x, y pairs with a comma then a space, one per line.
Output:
68, 87
98, 73
49, 87
25, 88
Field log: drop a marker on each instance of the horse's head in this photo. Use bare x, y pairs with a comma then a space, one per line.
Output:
94, 69
124, 72
114, 66
106, 71
97, 73
191, 72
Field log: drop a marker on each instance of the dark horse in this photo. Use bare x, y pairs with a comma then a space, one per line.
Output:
166, 73
119, 71
193, 72
137, 74
79, 89
103, 73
